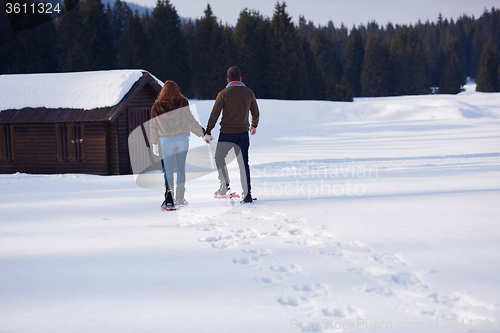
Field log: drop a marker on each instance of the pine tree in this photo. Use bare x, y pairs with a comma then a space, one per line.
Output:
251, 38
39, 45
487, 78
98, 41
294, 72
135, 51
202, 56
119, 16
465, 32
498, 77
375, 77
169, 54
225, 53
308, 77
307, 29
400, 62
419, 74
452, 73
485, 28
329, 66
211, 56
284, 59
9, 49
431, 42
32, 48
72, 39
410, 72
277, 58
339, 38
353, 62
84, 38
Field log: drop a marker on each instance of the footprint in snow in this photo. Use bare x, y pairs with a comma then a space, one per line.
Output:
290, 269
340, 311
292, 220
407, 279
219, 242
210, 239
292, 300
223, 245
259, 252
387, 292
247, 261
461, 305
314, 300
245, 234
270, 280
389, 259
314, 290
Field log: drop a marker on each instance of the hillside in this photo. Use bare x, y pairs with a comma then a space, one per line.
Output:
371, 215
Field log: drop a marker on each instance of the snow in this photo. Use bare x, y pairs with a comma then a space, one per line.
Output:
381, 214
77, 90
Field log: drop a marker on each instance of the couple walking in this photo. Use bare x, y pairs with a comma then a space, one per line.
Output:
172, 122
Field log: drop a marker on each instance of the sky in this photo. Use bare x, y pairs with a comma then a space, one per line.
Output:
348, 12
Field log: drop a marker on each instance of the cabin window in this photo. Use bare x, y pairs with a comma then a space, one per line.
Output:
6, 143
70, 143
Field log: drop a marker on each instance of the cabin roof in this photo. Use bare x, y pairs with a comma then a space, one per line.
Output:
67, 97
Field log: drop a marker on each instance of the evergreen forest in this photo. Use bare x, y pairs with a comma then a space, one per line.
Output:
279, 59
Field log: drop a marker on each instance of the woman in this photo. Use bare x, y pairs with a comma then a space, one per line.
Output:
171, 124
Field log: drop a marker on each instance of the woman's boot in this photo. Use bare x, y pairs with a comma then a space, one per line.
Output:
179, 196
168, 204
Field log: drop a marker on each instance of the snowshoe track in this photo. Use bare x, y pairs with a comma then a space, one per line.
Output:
255, 234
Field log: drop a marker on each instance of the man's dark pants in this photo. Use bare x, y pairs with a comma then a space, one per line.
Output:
240, 142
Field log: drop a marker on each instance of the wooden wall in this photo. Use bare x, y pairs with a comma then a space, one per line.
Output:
95, 150
118, 157
35, 145
35, 150
145, 99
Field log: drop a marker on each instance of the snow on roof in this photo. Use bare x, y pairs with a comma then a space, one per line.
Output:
78, 90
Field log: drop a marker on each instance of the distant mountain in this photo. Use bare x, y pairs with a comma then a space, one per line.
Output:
141, 9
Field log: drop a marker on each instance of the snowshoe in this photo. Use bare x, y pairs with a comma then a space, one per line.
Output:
248, 199
168, 206
168, 203
231, 195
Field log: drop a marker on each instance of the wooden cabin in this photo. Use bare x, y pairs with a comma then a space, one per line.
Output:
72, 122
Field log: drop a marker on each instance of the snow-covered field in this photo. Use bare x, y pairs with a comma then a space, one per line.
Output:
381, 214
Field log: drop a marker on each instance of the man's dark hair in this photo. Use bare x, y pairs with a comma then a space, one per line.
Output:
233, 73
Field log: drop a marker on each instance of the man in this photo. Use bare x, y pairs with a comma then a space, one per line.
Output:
234, 101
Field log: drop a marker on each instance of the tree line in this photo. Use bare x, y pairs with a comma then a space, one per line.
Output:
278, 59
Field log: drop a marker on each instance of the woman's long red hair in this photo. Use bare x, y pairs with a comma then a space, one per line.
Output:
170, 93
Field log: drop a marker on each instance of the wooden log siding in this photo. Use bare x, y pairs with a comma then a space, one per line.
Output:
95, 149
43, 140
143, 100
36, 146
39, 150
112, 157
124, 158
6, 144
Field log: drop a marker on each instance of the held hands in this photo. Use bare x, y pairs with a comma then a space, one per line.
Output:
155, 149
207, 138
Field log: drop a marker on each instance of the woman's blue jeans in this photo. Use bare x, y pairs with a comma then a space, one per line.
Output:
174, 159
